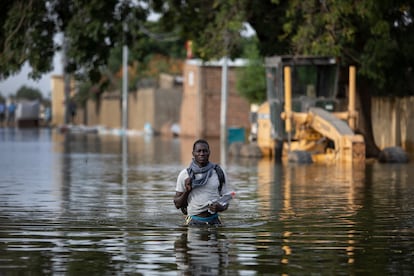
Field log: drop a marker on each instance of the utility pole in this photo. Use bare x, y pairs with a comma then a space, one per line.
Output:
223, 106
125, 112
125, 83
66, 82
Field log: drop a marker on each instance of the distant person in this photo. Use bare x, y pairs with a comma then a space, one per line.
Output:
48, 115
199, 186
2, 113
11, 113
72, 111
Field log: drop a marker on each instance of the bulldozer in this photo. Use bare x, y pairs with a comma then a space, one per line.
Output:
310, 113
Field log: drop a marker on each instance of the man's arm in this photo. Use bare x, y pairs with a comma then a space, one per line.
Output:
180, 198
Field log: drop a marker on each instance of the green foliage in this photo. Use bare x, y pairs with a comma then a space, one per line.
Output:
90, 28
29, 93
377, 36
93, 32
267, 17
143, 51
213, 26
26, 35
374, 35
94, 28
251, 81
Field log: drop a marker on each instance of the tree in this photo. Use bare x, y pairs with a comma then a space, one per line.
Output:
374, 35
213, 26
93, 35
164, 49
377, 36
90, 29
29, 93
251, 80
26, 35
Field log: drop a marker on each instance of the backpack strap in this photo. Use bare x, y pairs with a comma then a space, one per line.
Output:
221, 177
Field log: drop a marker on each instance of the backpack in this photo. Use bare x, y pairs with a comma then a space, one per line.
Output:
221, 178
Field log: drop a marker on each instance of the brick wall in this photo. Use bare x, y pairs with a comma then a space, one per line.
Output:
190, 106
200, 113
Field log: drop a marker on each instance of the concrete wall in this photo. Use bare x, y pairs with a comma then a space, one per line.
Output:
141, 108
159, 107
201, 106
191, 111
195, 105
58, 99
92, 113
393, 122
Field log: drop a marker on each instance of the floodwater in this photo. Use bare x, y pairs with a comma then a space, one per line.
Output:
86, 204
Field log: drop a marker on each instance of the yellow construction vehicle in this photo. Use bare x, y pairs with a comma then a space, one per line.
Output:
310, 115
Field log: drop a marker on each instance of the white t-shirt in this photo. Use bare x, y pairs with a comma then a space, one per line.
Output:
199, 197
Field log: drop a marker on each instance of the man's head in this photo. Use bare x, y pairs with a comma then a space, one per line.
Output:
201, 152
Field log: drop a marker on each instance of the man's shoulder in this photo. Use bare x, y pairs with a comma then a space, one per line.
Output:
183, 173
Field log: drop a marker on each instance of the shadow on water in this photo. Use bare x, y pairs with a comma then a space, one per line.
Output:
91, 204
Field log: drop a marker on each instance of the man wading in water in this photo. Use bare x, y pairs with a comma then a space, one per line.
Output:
199, 186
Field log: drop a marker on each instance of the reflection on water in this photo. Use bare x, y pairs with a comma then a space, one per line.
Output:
77, 204
202, 251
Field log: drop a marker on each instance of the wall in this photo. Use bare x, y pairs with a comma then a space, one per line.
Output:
58, 99
158, 106
201, 107
110, 113
141, 108
393, 122
196, 105
190, 113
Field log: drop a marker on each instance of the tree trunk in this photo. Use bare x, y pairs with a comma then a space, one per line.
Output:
365, 119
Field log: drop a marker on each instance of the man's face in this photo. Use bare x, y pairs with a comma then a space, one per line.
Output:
201, 153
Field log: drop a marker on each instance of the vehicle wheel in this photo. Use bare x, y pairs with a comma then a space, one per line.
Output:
299, 156
393, 155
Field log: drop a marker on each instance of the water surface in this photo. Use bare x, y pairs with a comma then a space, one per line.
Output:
76, 204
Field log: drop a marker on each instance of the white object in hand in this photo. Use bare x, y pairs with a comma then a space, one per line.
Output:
224, 199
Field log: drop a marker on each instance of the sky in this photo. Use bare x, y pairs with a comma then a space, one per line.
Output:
12, 84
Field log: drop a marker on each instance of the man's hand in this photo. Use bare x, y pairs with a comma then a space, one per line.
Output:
188, 186
216, 207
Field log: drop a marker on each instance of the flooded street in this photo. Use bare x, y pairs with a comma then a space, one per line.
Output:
88, 204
